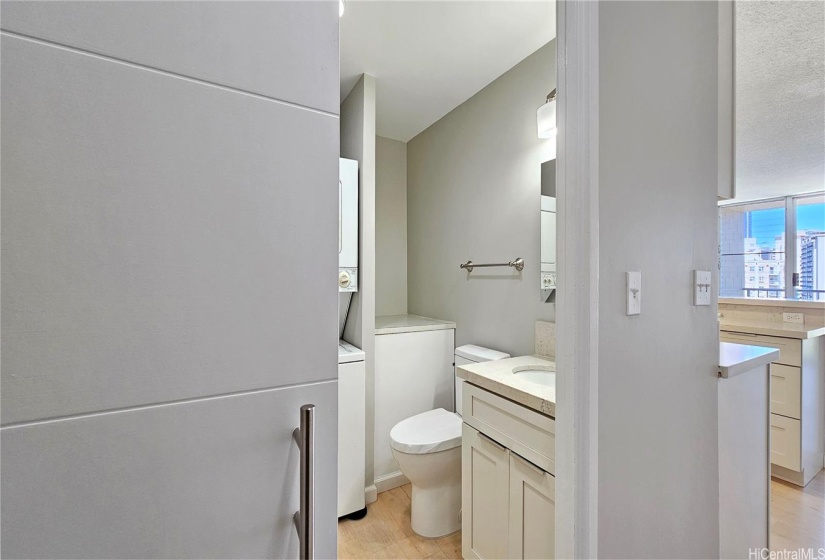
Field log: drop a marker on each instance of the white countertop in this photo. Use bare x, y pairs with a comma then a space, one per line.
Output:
739, 358
772, 328
497, 377
392, 324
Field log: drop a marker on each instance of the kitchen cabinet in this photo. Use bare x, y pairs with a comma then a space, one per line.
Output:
797, 403
786, 390
785, 442
508, 501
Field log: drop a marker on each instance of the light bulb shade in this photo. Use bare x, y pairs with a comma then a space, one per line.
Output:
546, 120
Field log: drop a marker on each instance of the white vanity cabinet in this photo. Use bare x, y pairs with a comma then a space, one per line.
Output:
508, 500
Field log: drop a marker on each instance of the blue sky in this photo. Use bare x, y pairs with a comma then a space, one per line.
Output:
767, 224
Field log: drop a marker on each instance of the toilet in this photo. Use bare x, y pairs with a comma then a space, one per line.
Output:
427, 448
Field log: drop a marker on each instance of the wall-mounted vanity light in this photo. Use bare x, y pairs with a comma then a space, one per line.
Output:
546, 117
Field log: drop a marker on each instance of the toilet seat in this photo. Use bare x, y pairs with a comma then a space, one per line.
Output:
428, 432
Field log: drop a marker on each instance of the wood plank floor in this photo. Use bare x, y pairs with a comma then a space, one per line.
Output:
798, 515
797, 521
385, 533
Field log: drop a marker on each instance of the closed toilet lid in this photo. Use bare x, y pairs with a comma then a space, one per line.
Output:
428, 432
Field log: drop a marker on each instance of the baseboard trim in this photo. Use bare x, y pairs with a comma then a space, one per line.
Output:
370, 494
788, 475
390, 481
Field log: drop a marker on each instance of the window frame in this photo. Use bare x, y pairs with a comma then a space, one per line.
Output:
791, 256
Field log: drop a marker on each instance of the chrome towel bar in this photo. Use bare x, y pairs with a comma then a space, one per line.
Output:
518, 264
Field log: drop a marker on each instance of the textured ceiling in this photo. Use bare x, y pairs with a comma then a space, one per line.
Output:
429, 57
780, 98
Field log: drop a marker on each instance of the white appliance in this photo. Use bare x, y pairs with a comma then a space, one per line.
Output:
347, 225
351, 430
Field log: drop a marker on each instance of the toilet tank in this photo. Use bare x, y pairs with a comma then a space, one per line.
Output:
472, 354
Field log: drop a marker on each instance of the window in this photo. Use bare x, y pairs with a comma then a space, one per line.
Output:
753, 249
751, 236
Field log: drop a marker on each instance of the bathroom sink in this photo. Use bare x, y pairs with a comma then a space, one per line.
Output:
542, 375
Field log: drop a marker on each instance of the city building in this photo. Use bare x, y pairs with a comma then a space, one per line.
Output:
812, 265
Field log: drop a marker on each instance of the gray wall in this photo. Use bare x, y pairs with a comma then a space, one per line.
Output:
657, 407
358, 143
473, 192
168, 247
390, 226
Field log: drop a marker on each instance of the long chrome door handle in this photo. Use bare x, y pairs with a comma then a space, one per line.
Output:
305, 517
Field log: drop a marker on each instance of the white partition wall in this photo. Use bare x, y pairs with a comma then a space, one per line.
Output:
744, 463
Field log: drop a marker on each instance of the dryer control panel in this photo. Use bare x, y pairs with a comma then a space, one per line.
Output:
347, 279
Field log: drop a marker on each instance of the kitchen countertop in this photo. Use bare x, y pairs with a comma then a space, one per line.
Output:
739, 358
773, 302
497, 377
393, 324
772, 328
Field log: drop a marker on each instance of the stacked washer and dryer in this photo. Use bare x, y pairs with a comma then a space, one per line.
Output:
351, 370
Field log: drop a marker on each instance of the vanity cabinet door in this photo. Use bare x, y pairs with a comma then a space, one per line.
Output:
485, 496
532, 511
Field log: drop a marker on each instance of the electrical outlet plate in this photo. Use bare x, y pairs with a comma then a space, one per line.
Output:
634, 293
793, 318
701, 287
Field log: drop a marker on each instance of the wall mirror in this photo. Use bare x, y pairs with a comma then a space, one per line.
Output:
548, 231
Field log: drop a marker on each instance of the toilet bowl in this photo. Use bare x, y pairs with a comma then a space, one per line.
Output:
427, 448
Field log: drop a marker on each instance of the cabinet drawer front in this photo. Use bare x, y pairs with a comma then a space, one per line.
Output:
790, 350
786, 397
524, 431
785, 442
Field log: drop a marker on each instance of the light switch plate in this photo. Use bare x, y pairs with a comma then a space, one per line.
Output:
634, 293
701, 287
